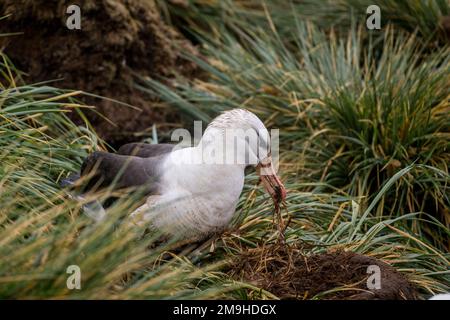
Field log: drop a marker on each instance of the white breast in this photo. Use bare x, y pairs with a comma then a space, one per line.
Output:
196, 199
443, 296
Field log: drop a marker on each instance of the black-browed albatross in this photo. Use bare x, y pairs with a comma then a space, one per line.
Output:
191, 194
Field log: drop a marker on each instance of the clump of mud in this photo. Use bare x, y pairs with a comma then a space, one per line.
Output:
289, 274
118, 38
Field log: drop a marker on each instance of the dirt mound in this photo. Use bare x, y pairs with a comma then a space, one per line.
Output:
286, 272
117, 38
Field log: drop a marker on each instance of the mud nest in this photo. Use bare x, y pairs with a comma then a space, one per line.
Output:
118, 38
289, 274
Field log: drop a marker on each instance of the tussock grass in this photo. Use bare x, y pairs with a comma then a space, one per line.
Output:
364, 135
364, 155
43, 231
427, 18
350, 116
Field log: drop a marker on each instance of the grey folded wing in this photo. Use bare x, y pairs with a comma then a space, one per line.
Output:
145, 150
123, 171
134, 165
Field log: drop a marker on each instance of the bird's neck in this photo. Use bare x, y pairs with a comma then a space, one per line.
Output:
222, 149
191, 169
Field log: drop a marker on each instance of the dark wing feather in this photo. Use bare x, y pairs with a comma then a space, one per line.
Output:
125, 171
145, 150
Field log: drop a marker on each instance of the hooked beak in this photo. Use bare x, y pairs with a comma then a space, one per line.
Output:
270, 180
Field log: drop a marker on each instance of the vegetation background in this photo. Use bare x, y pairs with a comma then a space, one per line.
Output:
364, 139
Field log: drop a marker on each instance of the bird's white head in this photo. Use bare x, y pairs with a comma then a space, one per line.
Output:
239, 137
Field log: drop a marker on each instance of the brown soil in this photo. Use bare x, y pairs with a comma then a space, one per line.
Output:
117, 38
289, 274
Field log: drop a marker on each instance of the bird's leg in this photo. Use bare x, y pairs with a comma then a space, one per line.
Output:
138, 215
142, 214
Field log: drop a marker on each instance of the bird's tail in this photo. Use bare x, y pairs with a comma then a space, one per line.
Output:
93, 209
